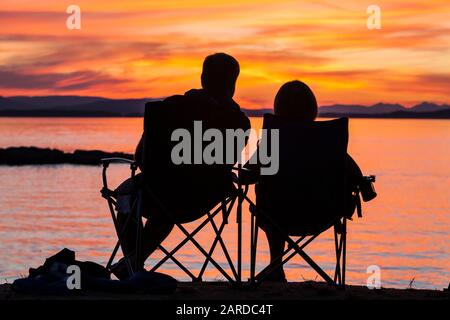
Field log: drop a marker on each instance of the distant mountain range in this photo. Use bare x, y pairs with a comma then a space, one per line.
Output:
382, 108
81, 106
72, 105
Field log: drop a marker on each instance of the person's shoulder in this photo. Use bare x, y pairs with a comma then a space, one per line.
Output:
234, 105
166, 103
199, 96
175, 99
154, 103
163, 108
240, 117
192, 96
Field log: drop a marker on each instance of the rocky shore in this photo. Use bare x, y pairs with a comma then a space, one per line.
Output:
36, 156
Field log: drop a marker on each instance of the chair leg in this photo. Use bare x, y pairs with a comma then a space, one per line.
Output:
272, 266
253, 240
119, 237
239, 235
267, 270
113, 255
338, 250
313, 264
131, 265
211, 251
297, 249
200, 248
344, 253
219, 239
139, 228
253, 246
178, 263
341, 248
189, 237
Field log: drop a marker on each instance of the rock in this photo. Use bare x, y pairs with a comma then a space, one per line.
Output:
31, 155
94, 157
35, 156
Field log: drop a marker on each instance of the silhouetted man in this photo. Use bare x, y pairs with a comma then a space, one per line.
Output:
187, 190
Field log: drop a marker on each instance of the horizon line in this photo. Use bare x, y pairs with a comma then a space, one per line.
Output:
411, 104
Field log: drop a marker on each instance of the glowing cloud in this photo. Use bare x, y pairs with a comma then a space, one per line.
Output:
155, 48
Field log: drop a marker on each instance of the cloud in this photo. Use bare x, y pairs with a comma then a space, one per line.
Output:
433, 82
154, 48
60, 52
79, 80
441, 79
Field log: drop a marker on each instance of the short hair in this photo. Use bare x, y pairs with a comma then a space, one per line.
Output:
296, 101
220, 72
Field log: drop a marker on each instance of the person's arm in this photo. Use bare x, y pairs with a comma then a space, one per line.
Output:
252, 170
240, 119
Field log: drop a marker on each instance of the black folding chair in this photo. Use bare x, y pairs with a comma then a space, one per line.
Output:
308, 195
156, 133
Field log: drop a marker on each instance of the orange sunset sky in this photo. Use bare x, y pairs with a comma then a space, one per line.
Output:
134, 49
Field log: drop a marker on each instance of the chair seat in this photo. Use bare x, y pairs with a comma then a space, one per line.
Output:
186, 205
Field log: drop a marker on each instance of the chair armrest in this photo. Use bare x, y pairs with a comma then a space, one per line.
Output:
106, 161
245, 176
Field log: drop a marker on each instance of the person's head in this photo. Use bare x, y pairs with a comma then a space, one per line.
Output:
219, 75
295, 101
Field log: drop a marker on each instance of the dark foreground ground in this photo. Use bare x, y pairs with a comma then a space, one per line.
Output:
223, 291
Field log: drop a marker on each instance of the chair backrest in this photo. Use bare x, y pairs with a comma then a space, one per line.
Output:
189, 189
160, 120
310, 186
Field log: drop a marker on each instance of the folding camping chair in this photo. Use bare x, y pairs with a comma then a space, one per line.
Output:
307, 196
224, 205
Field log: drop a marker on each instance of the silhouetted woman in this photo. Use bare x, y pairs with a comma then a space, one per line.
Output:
295, 102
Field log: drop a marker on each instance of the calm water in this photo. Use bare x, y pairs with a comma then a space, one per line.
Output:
406, 231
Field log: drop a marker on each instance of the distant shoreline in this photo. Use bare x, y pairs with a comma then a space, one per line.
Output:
19, 156
441, 114
86, 106
393, 115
